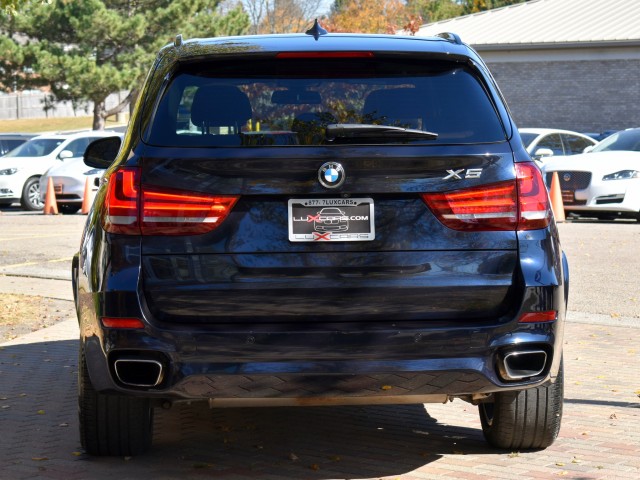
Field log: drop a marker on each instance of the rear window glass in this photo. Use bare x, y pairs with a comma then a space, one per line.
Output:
289, 102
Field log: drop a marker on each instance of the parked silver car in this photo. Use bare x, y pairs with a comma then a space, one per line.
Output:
542, 143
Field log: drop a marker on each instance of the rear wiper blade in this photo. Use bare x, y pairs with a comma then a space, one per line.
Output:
359, 130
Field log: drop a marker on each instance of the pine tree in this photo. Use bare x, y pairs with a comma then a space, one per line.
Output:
87, 49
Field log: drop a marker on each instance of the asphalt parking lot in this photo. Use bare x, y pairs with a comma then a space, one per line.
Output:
600, 435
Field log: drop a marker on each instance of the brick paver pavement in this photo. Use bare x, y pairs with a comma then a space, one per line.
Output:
600, 435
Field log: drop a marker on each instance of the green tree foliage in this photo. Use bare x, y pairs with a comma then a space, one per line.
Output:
87, 49
434, 10
474, 6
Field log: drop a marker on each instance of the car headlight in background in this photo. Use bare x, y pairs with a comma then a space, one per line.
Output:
8, 171
622, 175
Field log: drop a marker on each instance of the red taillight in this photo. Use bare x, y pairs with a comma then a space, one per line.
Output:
121, 203
534, 205
134, 209
539, 317
490, 207
173, 212
324, 55
522, 204
130, 323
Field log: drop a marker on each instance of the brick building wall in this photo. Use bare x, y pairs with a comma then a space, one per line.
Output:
581, 95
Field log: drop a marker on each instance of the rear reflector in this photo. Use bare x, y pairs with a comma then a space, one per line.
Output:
134, 209
130, 323
539, 317
325, 55
520, 204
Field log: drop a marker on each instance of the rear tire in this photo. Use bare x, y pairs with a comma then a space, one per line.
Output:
525, 419
113, 425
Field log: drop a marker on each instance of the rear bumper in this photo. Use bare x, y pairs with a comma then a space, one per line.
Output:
271, 364
372, 360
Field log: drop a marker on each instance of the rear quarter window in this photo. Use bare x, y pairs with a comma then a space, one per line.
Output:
286, 102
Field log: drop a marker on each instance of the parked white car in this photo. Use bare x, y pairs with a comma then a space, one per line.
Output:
69, 180
604, 183
543, 143
20, 169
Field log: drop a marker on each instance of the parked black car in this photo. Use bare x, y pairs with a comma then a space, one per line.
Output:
202, 274
9, 141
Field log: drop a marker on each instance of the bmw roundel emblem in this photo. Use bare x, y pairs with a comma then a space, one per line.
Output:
331, 175
566, 177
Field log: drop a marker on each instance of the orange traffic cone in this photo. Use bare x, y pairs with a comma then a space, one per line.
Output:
50, 202
556, 198
86, 198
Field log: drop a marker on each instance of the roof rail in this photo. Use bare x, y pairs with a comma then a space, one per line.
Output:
450, 37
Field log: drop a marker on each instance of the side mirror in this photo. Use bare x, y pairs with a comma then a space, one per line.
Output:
102, 152
64, 154
543, 152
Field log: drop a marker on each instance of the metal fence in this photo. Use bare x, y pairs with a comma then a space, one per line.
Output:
15, 106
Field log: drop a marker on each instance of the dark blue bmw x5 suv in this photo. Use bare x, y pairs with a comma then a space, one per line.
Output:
210, 270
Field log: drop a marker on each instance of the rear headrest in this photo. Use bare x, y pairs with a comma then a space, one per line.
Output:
395, 106
219, 106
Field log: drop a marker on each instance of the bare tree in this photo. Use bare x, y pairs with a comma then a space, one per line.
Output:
281, 16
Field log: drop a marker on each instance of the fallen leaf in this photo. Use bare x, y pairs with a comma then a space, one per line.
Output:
40, 412
559, 464
613, 416
39, 459
76, 454
386, 387
514, 454
293, 457
335, 458
314, 466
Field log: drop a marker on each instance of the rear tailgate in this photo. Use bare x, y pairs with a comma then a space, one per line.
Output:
248, 269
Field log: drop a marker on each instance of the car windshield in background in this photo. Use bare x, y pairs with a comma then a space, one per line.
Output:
292, 101
36, 148
623, 140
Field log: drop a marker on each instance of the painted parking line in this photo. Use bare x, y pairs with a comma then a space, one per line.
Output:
28, 264
30, 237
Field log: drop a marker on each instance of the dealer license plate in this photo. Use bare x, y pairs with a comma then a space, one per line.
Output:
331, 220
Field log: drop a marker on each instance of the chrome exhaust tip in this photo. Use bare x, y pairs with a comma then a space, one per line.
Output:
139, 372
518, 365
